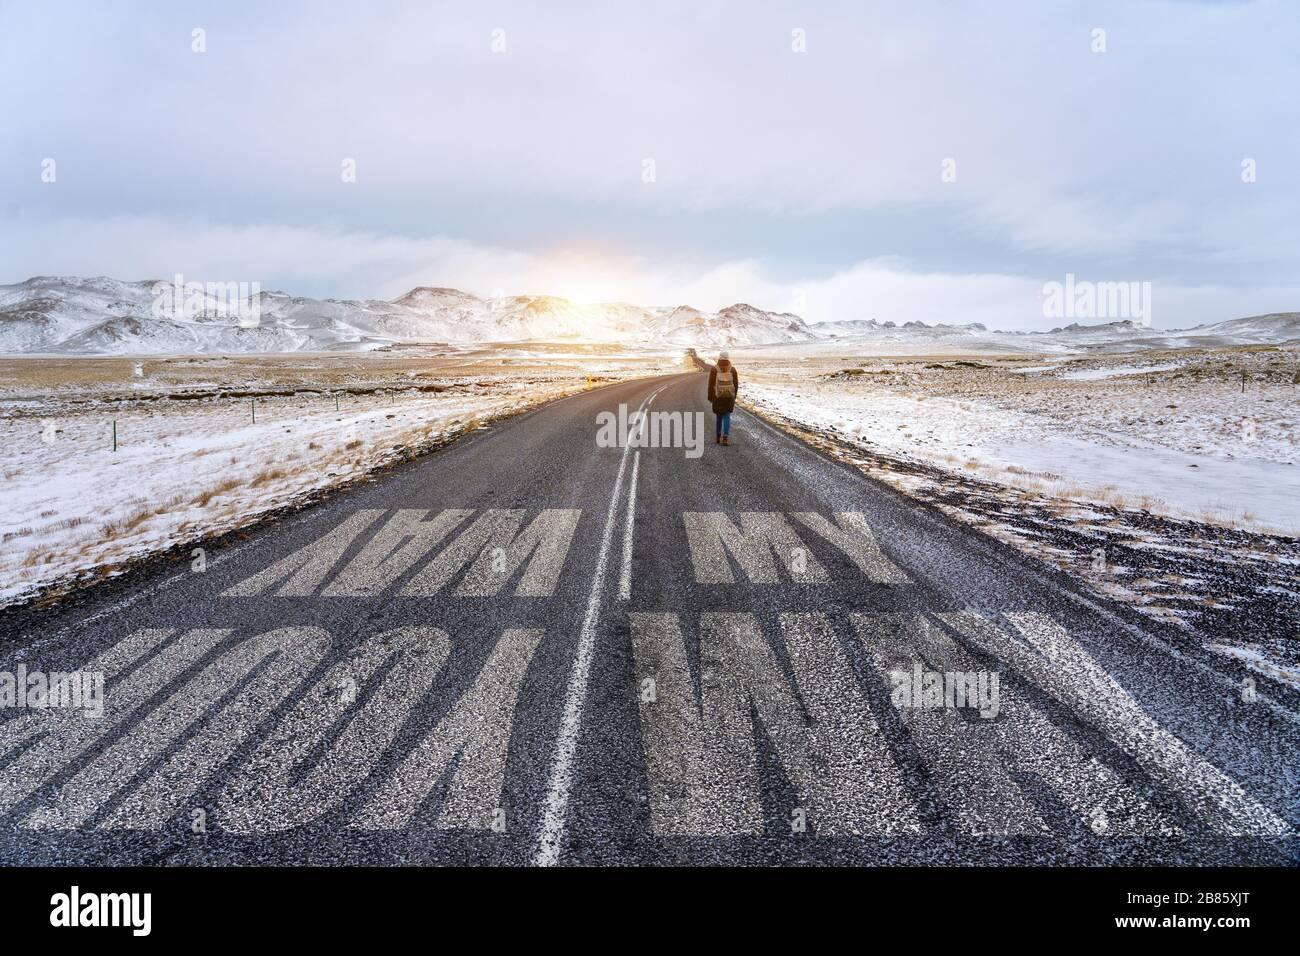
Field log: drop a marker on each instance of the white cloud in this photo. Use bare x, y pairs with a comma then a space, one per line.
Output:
1134, 152
347, 262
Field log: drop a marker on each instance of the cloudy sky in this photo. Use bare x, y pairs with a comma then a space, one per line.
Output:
665, 153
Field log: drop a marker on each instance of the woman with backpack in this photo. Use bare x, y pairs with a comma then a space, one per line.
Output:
723, 386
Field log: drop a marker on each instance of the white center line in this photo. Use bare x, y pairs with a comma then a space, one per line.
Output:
557, 794
625, 577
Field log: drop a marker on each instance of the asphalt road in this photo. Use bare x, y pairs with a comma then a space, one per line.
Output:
473, 660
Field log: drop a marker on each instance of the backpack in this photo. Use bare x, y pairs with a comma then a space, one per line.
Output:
725, 387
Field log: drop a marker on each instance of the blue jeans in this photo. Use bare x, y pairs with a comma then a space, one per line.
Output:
724, 425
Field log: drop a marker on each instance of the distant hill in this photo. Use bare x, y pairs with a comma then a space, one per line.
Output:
108, 316
1120, 336
103, 316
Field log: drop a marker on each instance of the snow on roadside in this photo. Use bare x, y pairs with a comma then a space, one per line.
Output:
187, 470
1028, 450
1223, 584
1174, 492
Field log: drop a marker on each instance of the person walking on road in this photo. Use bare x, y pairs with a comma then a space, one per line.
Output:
723, 386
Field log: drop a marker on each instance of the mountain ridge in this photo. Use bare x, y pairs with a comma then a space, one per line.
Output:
100, 315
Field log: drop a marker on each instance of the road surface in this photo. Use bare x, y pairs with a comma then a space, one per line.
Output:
532, 648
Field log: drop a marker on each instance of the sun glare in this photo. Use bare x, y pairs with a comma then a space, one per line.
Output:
588, 276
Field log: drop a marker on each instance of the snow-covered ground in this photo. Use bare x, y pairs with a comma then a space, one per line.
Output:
1195, 446
190, 468
1097, 374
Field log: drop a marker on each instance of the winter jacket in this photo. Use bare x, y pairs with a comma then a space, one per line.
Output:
723, 405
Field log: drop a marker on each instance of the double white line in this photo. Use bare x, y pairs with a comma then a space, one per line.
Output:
557, 794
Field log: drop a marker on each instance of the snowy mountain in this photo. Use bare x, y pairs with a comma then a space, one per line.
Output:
71, 315
108, 316
911, 331
1120, 336
1252, 329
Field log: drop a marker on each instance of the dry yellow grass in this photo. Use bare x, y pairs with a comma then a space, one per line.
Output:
267, 475
221, 487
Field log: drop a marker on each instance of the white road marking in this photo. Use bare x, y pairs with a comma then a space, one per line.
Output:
367, 700
497, 548
474, 736
973, 765
701, 759
406, 538
67, 735
764, 542
625, 577
853, 536
205, 739
988, 549
1048, 656
557, 794
299, 574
